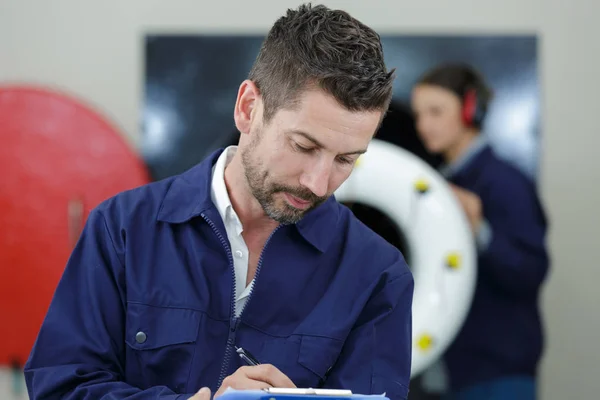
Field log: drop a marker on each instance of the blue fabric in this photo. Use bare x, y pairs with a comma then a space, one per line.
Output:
145, 307
502, 335
479, 144
512, 388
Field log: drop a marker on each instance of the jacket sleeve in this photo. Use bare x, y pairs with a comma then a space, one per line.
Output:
79, 351
376, 357
514, 257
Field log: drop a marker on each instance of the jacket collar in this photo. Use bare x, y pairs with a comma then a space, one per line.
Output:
478, 146
190, 195
470, 175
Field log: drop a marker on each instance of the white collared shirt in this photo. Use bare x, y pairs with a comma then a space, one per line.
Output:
234, 228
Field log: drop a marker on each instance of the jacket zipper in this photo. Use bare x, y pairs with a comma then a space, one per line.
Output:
258, 266
228, 349
225, 244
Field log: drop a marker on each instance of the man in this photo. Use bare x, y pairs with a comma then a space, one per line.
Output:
247, 250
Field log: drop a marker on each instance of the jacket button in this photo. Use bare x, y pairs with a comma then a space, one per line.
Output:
140, 337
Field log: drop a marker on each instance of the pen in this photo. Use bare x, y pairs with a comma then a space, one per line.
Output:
246, 356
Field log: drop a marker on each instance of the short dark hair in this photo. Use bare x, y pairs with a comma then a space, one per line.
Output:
459, 78
322, 48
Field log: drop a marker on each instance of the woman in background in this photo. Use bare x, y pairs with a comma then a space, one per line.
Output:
496, 354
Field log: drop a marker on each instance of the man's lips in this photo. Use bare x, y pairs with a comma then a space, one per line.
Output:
297, 202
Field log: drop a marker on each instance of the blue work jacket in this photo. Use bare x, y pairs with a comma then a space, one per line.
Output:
503, 333
145, 307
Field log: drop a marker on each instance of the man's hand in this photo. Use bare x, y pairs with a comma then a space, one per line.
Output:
255, 378
203, 394
471, 204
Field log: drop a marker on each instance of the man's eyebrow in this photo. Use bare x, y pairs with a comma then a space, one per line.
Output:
311, 138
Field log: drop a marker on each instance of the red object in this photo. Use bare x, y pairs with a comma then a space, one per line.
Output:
59, 159
469, 107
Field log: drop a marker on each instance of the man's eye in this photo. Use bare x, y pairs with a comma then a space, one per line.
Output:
345, 160
301, 148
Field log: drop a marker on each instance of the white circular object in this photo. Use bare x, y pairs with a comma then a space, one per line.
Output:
440, 244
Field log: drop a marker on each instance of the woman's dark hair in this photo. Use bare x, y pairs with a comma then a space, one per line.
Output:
460, 79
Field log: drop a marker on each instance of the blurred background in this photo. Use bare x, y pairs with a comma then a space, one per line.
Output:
99, 98
191, 83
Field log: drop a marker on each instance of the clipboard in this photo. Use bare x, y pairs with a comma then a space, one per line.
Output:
297, 394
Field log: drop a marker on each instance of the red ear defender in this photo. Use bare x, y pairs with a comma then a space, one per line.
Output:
469, 105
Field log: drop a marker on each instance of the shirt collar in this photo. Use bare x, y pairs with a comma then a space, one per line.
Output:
476, 147
219, 194
189, 195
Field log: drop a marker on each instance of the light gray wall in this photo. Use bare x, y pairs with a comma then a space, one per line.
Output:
94, 50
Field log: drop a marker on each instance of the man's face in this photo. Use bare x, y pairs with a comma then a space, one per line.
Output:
297, 160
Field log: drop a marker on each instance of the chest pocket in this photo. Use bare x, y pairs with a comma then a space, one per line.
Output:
306, 360
161, 343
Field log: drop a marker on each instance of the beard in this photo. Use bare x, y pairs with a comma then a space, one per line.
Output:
265, 191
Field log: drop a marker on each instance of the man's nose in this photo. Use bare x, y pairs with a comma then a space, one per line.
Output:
316, 177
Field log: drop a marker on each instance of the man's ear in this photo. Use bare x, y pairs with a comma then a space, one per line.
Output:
245, 106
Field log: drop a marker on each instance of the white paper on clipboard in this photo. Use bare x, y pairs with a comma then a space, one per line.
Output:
297, 394
309, 391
